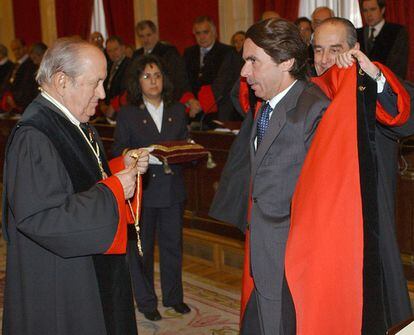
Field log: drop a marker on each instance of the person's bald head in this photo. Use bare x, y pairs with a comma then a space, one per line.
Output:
97, 39
270, 14
331, 38
320, 14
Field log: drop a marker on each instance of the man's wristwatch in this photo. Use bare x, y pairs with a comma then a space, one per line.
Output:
378, 76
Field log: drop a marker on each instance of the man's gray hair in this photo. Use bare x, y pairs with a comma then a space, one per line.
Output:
62, 56
3, 50
205, 18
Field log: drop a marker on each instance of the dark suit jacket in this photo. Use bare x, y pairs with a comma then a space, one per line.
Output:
174, 64
118, 82
24, 86
221, 70
5, 72
390, 47
135, 128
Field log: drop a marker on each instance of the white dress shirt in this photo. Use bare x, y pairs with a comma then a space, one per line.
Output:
155, 112
61, 107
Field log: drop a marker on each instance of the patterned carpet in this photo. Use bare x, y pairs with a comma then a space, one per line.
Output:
213, 311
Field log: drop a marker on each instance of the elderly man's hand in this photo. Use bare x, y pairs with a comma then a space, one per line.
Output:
128, 180
138, 158
348, 58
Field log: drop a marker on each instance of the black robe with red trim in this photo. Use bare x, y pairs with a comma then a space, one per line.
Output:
334, 262
66, 233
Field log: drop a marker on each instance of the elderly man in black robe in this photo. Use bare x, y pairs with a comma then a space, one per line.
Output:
64, 214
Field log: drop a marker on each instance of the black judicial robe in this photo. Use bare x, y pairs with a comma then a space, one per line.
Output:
337, 270
60, 221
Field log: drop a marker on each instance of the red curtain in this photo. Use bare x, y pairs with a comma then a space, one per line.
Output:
119, 17
73, 17
402, 12
24, 12
287, 9
175, 19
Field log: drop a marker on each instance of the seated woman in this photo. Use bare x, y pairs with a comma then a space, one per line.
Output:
150, 118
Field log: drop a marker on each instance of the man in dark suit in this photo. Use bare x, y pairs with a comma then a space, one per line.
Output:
281, 135
6, 67
148, 35
213, 68
21, 87
335, 41
382, 41
115, 81
37, 51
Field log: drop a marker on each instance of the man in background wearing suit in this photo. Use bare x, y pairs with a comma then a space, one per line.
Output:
148, 35
282, 132
335, 40
382, 41
115, 81
213, 68
6, 67
21, 87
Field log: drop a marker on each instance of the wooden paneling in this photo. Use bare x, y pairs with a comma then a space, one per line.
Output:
7, 23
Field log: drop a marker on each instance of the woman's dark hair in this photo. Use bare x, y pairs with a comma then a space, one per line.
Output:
136, 70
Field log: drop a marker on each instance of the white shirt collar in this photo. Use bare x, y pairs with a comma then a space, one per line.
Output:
4, 61
378, 27
23, 59
155, 112
61, 107
275, 100
209, 48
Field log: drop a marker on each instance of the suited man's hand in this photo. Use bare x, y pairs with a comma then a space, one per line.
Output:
138, 158
128, 180
347, 58
194, 106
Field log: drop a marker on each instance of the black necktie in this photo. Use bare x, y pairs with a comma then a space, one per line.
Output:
263, 122
203, 53
371, 40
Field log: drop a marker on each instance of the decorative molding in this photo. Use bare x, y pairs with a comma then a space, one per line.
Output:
48, 21
145, 10
7, 23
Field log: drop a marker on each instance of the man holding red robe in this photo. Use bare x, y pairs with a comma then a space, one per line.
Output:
342, 248
330, 84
